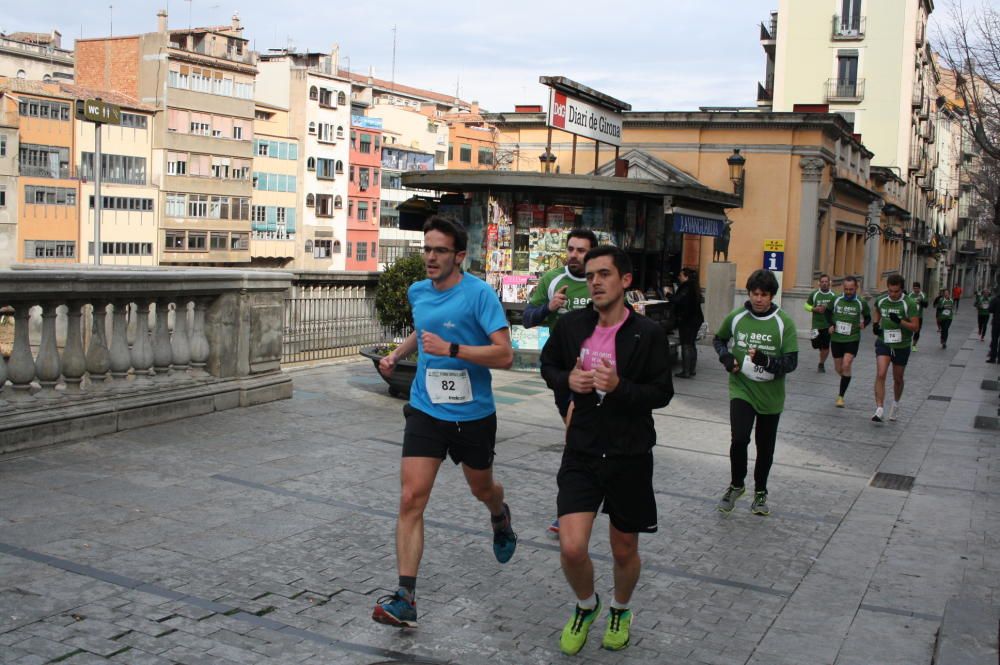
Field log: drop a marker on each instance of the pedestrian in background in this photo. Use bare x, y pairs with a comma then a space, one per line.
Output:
983, 312
995, 330
945, 307
918, 296
687, 309
956, 294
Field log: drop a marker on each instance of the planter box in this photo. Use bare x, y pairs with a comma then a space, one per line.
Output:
402, 376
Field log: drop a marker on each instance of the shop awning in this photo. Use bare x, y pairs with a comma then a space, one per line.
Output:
698, 222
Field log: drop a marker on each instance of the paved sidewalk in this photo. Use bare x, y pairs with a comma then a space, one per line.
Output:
266, 534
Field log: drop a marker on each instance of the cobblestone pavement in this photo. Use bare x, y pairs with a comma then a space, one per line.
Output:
266, 534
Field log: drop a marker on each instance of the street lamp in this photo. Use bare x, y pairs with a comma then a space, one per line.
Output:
737, 171
547, 159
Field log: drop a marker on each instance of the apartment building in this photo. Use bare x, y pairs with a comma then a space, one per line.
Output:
274, 209
364, 194
35, 56
318, 99
9, 150
201, 82
45, 179
472, 141
129, 197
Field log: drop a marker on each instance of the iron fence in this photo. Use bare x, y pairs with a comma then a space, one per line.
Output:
325, 327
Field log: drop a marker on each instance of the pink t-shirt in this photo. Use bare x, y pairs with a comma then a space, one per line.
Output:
600, 346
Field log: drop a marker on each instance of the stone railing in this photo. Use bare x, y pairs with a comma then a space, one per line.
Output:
101, 350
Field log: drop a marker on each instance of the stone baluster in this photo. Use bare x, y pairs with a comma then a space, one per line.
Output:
162, 353
199, 342
180, 344
98, 356
47, 366
142, 350
21, 367
120, 360
3, 379
74, 362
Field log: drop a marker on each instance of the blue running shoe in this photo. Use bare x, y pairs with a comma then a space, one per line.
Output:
398, 609
504, 538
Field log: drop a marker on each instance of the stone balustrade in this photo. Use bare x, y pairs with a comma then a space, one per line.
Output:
101, 350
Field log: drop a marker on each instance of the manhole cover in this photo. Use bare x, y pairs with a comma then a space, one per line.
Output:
892, 481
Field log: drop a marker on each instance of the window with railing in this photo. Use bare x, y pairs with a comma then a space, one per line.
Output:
325, 169
53, 196
324, 205
848, 26
204, 206
124, 203
50, 249
44, 161
362, 252
117, 169
44, 109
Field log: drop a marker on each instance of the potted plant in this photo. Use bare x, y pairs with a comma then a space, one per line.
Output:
392, 309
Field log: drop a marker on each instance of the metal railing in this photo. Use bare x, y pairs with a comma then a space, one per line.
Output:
325, 327
845, 89
849, 27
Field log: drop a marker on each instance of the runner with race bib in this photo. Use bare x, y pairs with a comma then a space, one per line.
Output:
846, 317
757, 345
945, 313
817, 304
896, 317
460, 332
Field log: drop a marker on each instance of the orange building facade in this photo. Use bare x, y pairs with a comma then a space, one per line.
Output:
364, 193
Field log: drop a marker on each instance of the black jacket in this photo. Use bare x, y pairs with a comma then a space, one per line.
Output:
687, 305
621, 424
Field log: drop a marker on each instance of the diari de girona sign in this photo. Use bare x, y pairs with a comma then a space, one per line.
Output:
583, 119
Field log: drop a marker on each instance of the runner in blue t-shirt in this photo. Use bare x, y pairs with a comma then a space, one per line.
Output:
461, 333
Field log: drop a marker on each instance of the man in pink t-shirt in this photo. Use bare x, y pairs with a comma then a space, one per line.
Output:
616, 364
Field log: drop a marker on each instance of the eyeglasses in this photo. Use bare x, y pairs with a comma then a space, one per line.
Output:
438, 251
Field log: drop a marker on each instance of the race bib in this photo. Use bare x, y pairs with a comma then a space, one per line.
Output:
893, 336
814, 333
449, 386
755, 372
945, 312
844, 327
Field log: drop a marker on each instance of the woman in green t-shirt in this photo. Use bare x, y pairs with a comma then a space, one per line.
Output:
757, 345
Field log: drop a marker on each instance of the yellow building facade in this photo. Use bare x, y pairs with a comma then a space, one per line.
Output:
275, 208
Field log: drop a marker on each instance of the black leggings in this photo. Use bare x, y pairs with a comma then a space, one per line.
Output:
945, 324
983, 320
741, 419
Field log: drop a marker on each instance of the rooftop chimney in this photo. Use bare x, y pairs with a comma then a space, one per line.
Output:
56, 39
474, 107
236, 22
161, 20
335, 58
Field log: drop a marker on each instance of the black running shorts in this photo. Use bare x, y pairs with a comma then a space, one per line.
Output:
822, 340
623, 485
471, 443
838, 349
899, 356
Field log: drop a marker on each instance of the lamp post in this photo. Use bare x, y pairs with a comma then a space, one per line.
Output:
547, 159
737, 171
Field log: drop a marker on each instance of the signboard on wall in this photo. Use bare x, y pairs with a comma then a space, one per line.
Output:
582, 118
366, 122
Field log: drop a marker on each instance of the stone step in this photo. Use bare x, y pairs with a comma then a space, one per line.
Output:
969, 635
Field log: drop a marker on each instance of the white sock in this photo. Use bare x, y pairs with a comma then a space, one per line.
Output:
588, 603
618, 606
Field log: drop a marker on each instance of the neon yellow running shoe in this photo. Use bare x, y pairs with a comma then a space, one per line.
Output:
616, 634
574, 634
840, 401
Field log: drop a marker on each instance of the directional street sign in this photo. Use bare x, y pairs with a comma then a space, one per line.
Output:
95, 110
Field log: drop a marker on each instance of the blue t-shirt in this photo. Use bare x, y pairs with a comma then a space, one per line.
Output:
467, 313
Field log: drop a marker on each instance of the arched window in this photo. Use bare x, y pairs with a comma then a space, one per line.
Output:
338, 202
311, 200
340, 131
336, 247
312, 127
21, 74
340, 166
341, 98
311, 163
309, 246
46, 78
313, 92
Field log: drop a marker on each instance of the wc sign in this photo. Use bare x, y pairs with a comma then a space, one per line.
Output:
774, 260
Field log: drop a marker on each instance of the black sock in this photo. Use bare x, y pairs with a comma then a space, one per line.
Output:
844, 382
408, 583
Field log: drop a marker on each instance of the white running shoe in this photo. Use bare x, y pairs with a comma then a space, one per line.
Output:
893, 412
877, 418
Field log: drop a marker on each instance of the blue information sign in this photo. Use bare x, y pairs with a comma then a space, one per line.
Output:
774, 261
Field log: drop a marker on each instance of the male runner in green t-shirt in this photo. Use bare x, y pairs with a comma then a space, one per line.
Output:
945, 312
764, 349
817, 304
559, 291
846, 317
918, 296
982, 312
896, 317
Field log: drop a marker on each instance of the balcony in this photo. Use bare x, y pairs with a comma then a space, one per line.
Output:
846, 28
925, 109
845, 90
968, 247
36, 171
764, 94
769, 30
921, 30
918, 96
916, 156
927, 182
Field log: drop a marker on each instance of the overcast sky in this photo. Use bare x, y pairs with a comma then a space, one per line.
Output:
655, 55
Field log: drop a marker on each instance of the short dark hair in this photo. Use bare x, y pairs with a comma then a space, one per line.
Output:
449, 227
763, 280
621, 260
895, 279
824, 275
915, 284
849, 278
586, 234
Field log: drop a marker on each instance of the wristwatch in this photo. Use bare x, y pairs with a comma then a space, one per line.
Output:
453, 350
